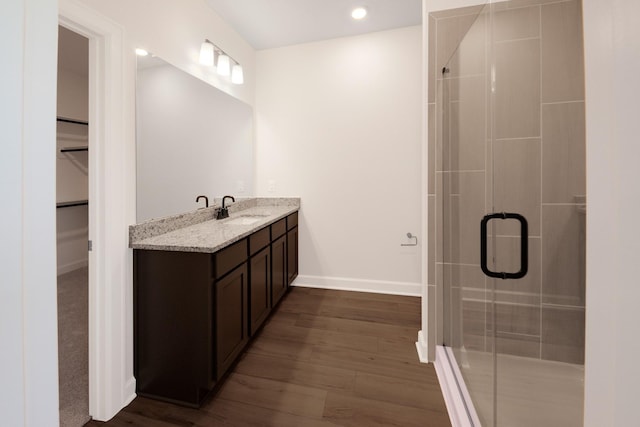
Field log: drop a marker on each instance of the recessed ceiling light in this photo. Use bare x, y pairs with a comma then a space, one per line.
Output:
359, 13
141, 52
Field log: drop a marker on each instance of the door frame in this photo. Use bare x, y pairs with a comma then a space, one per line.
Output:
111, 210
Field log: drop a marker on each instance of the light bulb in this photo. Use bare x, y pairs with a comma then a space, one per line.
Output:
237, 76
224, 65
206, 54
359, 13
141, 52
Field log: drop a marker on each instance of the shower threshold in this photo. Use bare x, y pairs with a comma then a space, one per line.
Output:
530, 392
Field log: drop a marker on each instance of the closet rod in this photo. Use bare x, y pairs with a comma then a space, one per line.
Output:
70, 149
70, 204
77, 122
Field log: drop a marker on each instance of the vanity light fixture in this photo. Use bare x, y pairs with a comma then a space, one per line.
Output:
237, 76
206, 53
225, 66
359, 13
141, 52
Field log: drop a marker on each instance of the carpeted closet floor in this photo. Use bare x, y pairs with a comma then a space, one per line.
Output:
73, 347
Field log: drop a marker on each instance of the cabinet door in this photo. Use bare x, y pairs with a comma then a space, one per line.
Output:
231, 317
259, 288
278, 269
292, 255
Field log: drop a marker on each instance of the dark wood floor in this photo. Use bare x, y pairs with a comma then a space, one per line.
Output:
324, 358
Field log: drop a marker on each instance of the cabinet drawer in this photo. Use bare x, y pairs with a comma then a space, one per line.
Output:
278, 228
229, 258
292, 221
258, 240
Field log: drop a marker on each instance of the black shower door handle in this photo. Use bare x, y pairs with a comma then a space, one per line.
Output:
524, 245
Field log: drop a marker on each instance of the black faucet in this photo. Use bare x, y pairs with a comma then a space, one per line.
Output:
223, 212
206, 200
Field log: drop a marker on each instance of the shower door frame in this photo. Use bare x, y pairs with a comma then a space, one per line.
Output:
456, 394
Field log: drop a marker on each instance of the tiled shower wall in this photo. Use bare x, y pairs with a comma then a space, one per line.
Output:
536, 159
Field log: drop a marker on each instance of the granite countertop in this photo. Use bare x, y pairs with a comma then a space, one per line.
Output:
210, 235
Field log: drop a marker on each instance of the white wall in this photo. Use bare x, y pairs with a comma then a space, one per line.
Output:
72, 171
612, 56
28, 322
174, 31
338, 123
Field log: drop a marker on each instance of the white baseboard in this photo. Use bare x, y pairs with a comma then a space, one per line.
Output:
130, 391
456, 397
62, 269
359, 285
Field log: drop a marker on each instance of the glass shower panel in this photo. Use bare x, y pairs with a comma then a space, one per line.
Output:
511, 140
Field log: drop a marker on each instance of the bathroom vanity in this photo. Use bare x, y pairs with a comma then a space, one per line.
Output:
202, 290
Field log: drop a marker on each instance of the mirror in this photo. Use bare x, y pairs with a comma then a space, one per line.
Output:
191, 139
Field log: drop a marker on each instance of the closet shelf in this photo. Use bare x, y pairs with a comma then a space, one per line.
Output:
73, 203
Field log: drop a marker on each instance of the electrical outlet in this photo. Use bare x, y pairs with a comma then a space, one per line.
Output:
240, 188
271, 186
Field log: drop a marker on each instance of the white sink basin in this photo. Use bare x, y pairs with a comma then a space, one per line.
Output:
246, 219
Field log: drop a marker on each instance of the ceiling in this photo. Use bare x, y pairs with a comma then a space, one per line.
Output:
267, 24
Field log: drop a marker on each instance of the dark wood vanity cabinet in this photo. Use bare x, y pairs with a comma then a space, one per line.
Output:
190, 320
194, 312
172, 325
173, 328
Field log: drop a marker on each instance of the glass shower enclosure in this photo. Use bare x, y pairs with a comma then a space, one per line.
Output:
510, 208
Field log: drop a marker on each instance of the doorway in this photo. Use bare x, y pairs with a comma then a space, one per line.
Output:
72, 219
111, 191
